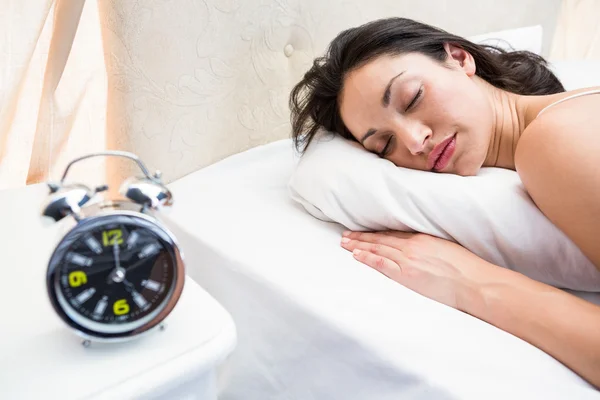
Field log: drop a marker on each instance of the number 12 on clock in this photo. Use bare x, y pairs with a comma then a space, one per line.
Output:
110, 237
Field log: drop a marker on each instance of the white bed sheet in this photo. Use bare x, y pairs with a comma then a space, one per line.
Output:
313, 323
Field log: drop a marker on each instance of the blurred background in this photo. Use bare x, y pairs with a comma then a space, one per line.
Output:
176, 80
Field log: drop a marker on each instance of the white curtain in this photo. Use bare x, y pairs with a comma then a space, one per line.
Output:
52, 90
577, 35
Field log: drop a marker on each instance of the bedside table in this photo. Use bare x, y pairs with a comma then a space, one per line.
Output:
40, 357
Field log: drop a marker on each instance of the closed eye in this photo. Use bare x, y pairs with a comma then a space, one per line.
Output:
415, 99
386, 148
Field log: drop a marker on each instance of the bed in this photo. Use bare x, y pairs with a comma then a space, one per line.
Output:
200, 92
313, 323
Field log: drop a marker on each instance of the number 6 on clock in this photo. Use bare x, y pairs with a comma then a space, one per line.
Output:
121, 307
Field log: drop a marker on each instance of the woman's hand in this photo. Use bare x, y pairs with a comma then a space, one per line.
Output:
436, 268
544, 316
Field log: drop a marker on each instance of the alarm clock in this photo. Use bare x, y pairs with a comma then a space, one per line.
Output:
117, 272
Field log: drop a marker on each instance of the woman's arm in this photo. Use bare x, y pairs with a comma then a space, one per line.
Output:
562, 325
557, 161
558, 323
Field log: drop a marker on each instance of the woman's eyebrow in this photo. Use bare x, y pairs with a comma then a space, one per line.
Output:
369, 133
385, 100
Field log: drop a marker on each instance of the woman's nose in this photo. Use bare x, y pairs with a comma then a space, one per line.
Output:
415, 137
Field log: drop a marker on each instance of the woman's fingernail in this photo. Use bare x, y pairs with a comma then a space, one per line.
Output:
346, 233
345, 240
356, 252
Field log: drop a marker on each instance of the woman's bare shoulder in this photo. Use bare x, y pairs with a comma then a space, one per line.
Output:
564, 126
557, 161
559, 146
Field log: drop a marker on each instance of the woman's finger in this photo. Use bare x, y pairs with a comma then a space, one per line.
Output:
401, 235
375, 248
378, 238
382, 264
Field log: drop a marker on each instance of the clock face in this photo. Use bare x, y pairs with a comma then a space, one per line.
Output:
113, 274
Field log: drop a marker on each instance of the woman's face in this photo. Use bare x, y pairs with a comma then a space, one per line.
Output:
418, 113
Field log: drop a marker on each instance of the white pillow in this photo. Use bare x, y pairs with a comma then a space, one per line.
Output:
577, 74
526, 38
490, 214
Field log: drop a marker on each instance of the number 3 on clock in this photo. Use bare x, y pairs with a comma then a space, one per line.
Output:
109, 238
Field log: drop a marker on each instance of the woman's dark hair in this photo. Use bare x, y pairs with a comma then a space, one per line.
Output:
314, 100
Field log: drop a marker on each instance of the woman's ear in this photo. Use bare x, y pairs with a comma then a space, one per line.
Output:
461, 58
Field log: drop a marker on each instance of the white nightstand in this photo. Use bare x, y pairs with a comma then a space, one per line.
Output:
41, 358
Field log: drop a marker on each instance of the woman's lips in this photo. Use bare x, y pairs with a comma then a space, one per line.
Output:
441, 154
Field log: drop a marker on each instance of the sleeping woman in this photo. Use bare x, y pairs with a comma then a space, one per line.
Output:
425, 99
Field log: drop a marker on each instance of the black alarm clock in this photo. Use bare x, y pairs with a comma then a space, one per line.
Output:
117, 272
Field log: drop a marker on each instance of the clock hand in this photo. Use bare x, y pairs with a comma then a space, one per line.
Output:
116, 253
97, 270
129, 286
108, 264
118, 274
138, 263
134, 265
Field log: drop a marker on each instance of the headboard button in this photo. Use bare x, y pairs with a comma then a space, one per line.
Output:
288, 50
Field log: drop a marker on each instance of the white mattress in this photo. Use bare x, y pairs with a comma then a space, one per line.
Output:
313, 323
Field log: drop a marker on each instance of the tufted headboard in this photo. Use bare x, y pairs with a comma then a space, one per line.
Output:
191, 82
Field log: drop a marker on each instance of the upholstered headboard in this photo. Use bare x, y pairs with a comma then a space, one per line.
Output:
191, 82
